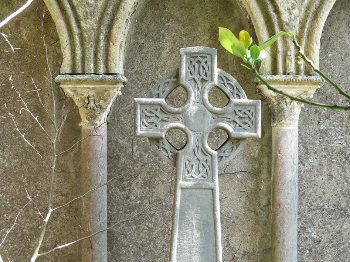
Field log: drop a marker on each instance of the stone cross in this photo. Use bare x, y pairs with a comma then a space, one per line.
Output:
196, 232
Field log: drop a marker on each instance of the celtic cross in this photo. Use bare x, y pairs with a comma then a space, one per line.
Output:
196, 234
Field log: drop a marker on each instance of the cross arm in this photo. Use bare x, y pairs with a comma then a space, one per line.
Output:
154, 117
241, 120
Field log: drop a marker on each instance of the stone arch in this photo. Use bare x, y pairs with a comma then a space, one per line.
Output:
270, 17
103, 50
117, 34
69, 31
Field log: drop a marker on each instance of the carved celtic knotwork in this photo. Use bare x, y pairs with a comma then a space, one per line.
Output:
225, 82
164, 86
198, 72
230, 84
242, 119
155, 117
197, 165
228, 151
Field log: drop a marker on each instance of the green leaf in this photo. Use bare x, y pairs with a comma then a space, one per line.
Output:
239, 49
254, 52
226, 39
231, 43
272, 39
244, 38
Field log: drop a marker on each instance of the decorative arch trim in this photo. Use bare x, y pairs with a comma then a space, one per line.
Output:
305, 18
106, 52
103, 53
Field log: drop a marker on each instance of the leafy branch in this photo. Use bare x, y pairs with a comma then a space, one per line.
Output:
251, 54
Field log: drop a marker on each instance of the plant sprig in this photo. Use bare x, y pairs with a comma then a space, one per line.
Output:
251, 54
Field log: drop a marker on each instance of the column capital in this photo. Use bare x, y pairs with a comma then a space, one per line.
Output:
285, 112
93, 94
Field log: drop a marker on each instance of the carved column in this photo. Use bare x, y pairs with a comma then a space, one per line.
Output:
288, 73
93, 36
94, 96
285, 117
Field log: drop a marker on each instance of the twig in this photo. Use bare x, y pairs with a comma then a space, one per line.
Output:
53, 97
22, 135
317, 70
26, 108
76, 241
8, 42
38, 94
294, 98
93, 234
64, 117
54, 154
49, 212
80, 140
60, 128
83, 195
42, 235
40, 100
14, 223
16, 13
35, 206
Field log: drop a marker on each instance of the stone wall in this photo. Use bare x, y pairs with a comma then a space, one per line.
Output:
140, 195
21, 168
324, 225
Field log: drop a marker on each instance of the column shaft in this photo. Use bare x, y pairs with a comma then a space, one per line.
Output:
284, 193
94, 174
285, 118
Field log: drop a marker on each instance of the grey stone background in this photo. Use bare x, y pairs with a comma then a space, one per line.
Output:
141, 194
324, 154
20, 168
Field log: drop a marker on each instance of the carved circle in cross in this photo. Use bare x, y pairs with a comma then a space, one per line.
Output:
227, 84
198, 75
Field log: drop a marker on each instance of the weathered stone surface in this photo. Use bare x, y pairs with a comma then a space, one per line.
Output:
92, 34
158, 30
324, 167
20, 167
